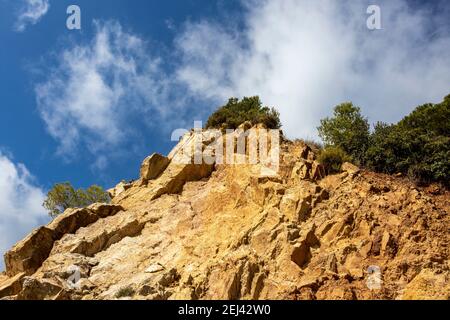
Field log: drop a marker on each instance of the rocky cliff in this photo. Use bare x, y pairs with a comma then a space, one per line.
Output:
216, 231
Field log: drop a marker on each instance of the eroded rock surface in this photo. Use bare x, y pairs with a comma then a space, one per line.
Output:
230, 232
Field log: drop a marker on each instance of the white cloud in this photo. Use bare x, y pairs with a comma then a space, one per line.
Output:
307, 56
304, 57
30, 13
96, 87
20, 204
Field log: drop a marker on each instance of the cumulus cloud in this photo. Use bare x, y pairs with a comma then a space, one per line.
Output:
96, 87
20, 204
30, 13
307, 56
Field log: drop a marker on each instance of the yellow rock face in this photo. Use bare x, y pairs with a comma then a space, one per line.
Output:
202, 231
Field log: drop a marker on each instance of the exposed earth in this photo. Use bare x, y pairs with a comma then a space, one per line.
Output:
186, 231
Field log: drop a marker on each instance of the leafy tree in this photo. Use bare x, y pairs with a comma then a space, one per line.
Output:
347, 129
236, 112
94, 194
63, 196
419, 145
384, 149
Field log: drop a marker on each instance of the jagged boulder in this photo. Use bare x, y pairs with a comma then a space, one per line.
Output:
301, 252
41, 289
29, 254
70, 221
118, 189
349, 168
12, 286
153, 166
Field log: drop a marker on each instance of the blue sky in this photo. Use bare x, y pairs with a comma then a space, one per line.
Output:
29, 55
88, 105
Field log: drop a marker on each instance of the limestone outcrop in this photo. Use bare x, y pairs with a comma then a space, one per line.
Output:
221, 231
153, 166
29, 254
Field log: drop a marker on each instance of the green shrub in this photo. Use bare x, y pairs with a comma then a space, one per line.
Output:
347, 129
385, 149
332, 159
419, 145
236, 112
63, 196
125, 292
